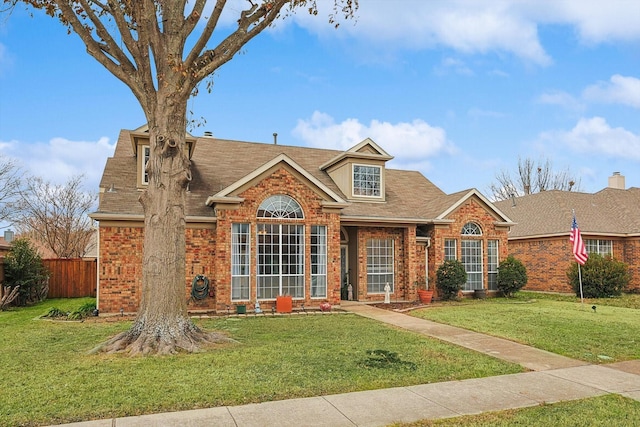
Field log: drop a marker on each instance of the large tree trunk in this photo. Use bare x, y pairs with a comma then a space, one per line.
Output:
163, 325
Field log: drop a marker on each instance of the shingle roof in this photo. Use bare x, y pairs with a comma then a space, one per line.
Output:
217, 164
608, 212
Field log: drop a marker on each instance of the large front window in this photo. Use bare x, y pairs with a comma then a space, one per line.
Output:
318, 261
240, 245
367, 181
379, 265
280, 260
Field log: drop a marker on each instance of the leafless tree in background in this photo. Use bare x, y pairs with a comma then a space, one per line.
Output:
56, 216
532, 177
10, 183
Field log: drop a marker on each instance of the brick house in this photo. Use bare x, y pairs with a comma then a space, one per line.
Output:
265, 220
609, 221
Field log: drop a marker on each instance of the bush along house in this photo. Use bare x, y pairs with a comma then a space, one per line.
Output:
267, 220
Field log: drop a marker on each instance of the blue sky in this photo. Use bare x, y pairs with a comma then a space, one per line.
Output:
457, 90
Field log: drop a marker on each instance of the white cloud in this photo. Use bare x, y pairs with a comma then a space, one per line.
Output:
618, 90
479, 27
60, 159
6, 60
412, 144
562, 99
595, 136
598, 21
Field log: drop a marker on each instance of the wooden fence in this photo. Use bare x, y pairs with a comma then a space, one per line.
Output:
71, 278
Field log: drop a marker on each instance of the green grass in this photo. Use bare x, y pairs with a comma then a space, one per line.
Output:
606, 411
560, 324
47, 376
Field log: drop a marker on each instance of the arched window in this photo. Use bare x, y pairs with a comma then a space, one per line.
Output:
471, 256
471, 229
280, 207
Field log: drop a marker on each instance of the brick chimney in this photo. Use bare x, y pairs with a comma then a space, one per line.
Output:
617, 181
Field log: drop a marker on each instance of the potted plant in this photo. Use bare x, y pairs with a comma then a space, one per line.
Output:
424, 293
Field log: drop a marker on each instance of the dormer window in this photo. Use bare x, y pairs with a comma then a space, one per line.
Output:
367, 180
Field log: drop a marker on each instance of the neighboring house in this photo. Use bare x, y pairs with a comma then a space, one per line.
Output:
609, 221
265, 220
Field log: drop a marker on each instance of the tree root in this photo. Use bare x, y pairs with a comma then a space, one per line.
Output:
163, 339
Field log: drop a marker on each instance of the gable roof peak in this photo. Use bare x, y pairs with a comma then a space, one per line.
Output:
367, 149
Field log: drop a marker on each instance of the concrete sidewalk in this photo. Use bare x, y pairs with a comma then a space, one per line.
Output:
554, 379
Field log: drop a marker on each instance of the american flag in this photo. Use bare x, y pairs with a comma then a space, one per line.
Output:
577, 247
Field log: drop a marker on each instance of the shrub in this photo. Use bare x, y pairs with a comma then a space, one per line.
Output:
23, 267
512, 276
601, 277
450, 278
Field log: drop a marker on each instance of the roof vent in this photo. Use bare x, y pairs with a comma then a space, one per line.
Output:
275, 138
617, 181
208, 134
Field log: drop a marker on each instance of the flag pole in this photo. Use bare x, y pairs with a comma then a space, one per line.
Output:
580, 281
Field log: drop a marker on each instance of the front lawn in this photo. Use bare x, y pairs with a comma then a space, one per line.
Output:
47, 376
560, 324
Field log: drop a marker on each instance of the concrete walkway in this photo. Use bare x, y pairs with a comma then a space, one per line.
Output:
552, 379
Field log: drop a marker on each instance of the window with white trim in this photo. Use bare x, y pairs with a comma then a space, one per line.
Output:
600, 247
492, 264
471, 229
472, 260
240, 261
318, 261
379, 265
280, 260
144, 160
280, 206
450, 249
367, 180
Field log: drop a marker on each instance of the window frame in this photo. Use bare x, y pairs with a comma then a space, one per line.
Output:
380, 264
244, 264
378, 190
318, 252
598, 244
472, 258
493, 262
273, 243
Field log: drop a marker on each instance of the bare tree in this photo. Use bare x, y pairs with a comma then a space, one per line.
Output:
532, 177
144, 44
10, 184
56, 216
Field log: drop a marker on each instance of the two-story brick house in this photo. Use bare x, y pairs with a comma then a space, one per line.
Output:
265, 220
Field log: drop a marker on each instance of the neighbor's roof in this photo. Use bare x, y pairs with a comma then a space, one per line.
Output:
609, 212
218, 164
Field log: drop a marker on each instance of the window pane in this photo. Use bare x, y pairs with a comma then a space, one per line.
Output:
450, 249
280, 253
472, 261
240, 261
492, 263
379, 265
318, 261
366, 180
280, 206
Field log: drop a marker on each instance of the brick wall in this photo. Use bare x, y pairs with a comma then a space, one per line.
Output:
120, 269
548, 260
